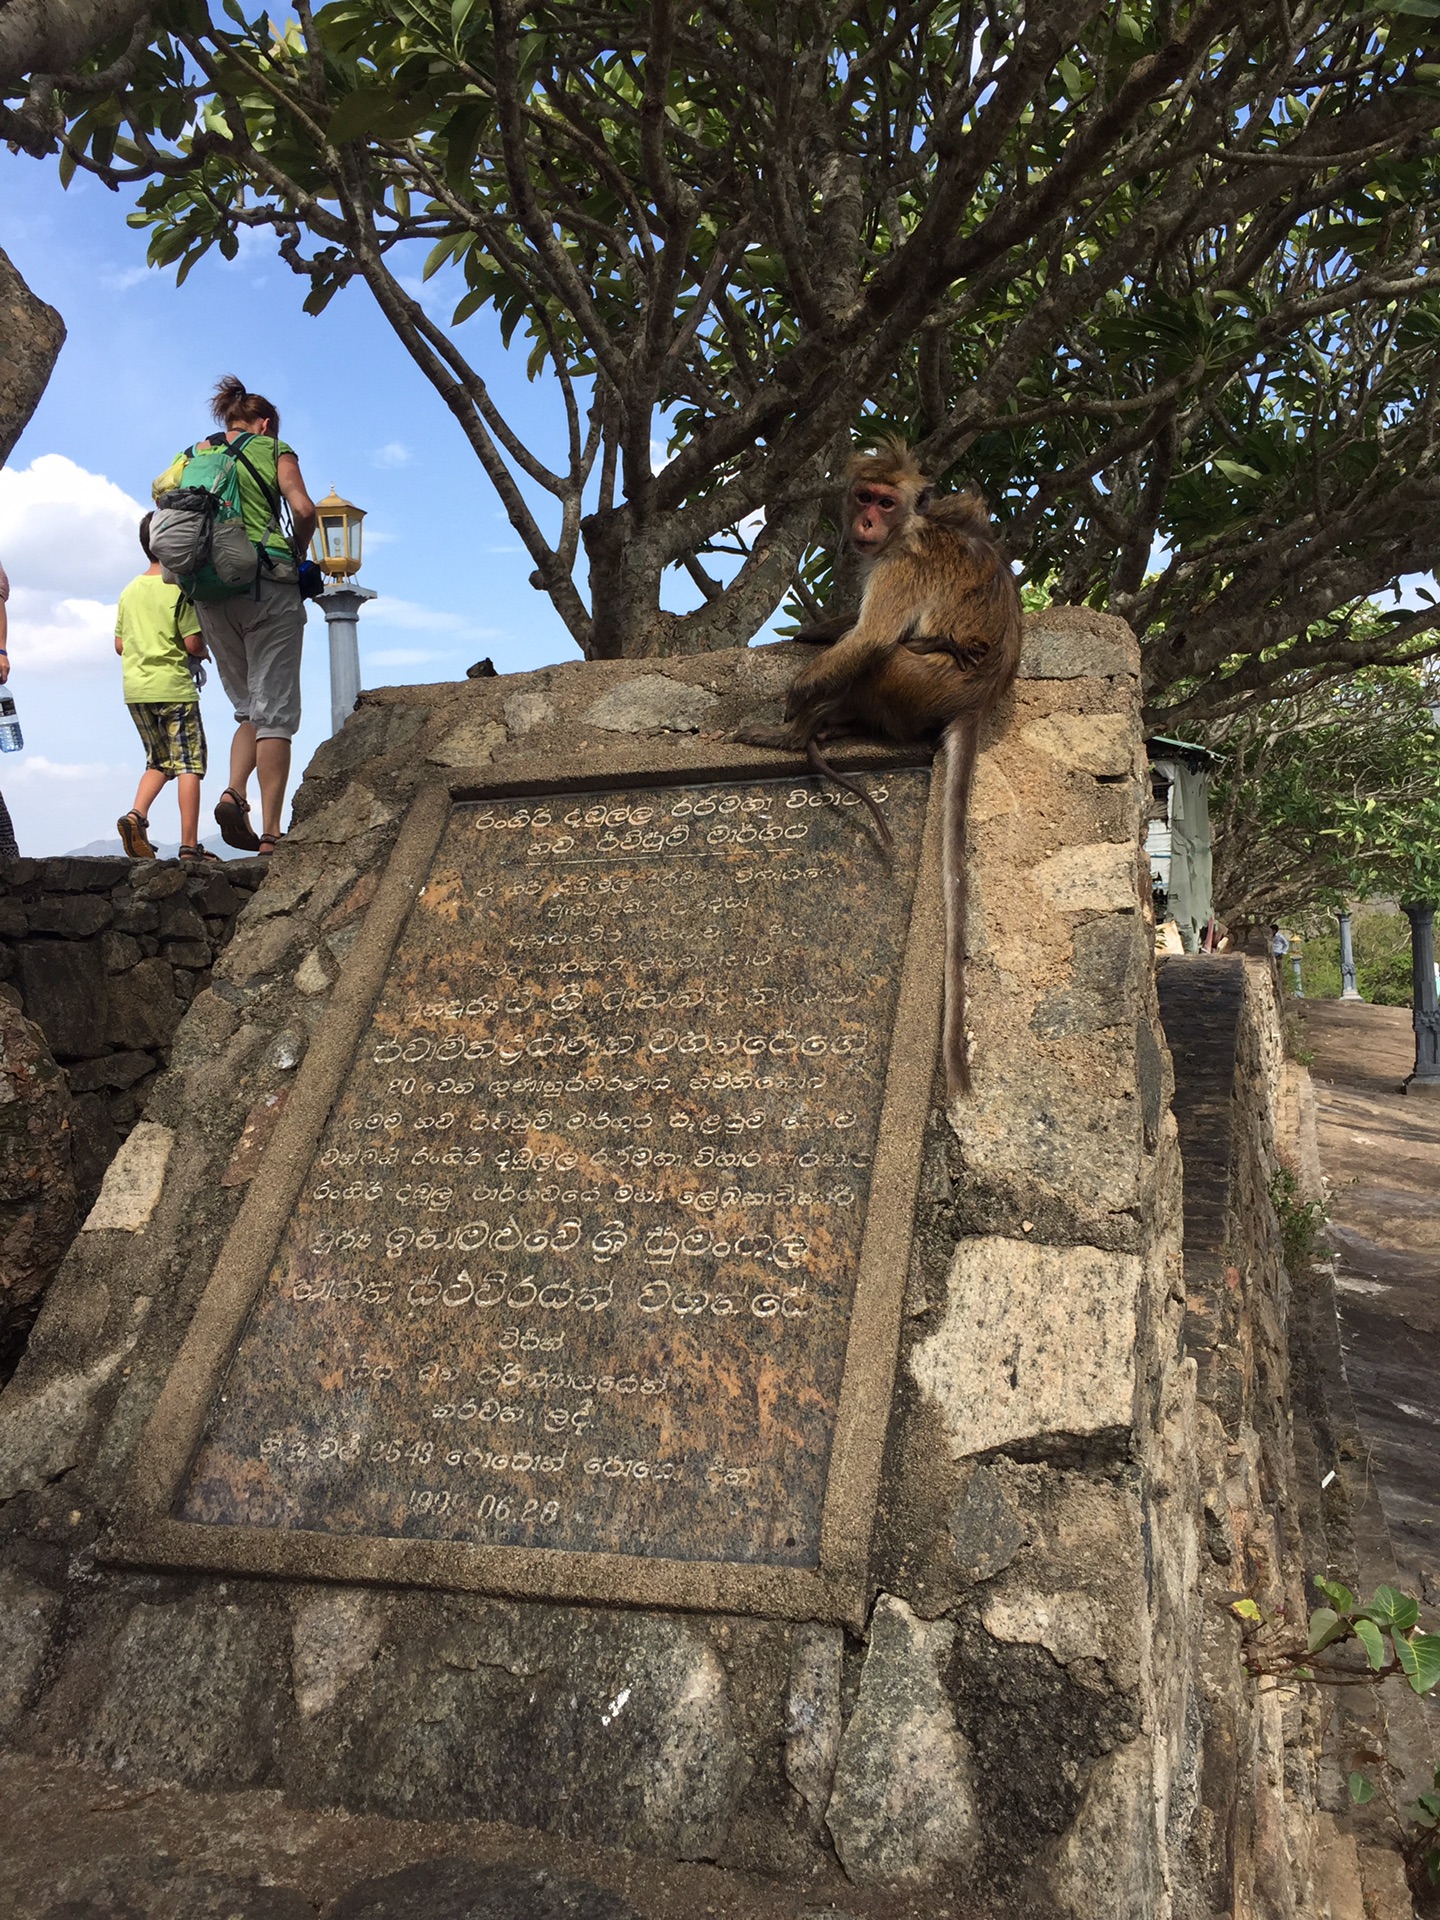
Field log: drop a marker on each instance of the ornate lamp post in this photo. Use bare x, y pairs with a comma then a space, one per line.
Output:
336, 548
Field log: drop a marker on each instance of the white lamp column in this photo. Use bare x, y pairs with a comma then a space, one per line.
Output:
341, 607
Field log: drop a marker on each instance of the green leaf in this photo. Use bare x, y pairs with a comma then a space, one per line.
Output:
1247, 1610
1393, 1609
459, 14
374, 111
1362, 1789
1236, 470
1421, 9
462, 137
1404, 1653
1336, 1593
1370, 1637
1373, 1640
472, 303
1426, 1649
1325, 1628
320, 296
353, 116
1430, 1802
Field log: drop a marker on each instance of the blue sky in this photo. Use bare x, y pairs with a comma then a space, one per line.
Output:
131, 388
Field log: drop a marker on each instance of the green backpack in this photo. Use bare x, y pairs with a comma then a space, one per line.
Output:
198, 531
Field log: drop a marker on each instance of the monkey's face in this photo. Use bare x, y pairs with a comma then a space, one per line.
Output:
876, 514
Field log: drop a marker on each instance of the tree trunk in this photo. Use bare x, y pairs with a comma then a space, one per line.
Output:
32, 334
55, 36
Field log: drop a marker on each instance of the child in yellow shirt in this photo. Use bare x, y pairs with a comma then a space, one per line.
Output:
156, 636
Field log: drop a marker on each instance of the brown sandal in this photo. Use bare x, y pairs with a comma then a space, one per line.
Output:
134, 829
198, 853
232, 816
267, 844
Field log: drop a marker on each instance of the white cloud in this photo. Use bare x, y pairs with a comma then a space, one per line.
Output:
393, 454
57, 804
256, 247
69, 541
122, 279
50, 634
35, 770
400, 657
437, 298
67, 533
390, 611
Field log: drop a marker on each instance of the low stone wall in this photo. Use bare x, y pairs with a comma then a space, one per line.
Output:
1253, 1834
106, 955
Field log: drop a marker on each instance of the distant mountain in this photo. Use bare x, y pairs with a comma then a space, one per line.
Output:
166, 850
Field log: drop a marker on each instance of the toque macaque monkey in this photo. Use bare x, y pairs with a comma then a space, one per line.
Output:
935, 645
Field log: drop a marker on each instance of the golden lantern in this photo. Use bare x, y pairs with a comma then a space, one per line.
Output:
336, 545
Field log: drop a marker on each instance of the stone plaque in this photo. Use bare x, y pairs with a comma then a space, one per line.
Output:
574, 1261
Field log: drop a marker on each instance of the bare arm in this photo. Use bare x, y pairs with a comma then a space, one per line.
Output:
4, 642
302, 507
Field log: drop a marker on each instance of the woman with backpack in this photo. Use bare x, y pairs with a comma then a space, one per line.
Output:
254, 629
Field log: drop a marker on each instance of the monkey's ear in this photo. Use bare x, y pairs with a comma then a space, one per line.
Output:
923, 499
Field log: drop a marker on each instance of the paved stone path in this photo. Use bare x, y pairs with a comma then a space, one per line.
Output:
1380, 1151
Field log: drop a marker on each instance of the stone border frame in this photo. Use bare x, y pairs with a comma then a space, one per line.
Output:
144, 1531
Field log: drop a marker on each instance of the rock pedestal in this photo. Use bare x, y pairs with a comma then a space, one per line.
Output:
1013, 1716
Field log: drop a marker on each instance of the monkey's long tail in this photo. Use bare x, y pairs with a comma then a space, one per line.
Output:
962, 745
822, 766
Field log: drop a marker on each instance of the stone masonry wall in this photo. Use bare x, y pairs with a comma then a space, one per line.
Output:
1021, 1726
106, 955
1252, 1845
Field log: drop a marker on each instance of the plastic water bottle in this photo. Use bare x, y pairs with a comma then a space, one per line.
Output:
11, 738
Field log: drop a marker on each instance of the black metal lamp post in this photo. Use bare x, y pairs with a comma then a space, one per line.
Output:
1425, 1079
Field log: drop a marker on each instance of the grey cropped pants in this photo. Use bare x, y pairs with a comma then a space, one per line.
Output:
256, 644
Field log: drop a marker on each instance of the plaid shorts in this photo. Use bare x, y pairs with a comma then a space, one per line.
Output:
173, 734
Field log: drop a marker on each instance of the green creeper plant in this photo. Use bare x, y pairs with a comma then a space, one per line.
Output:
1387, 1630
